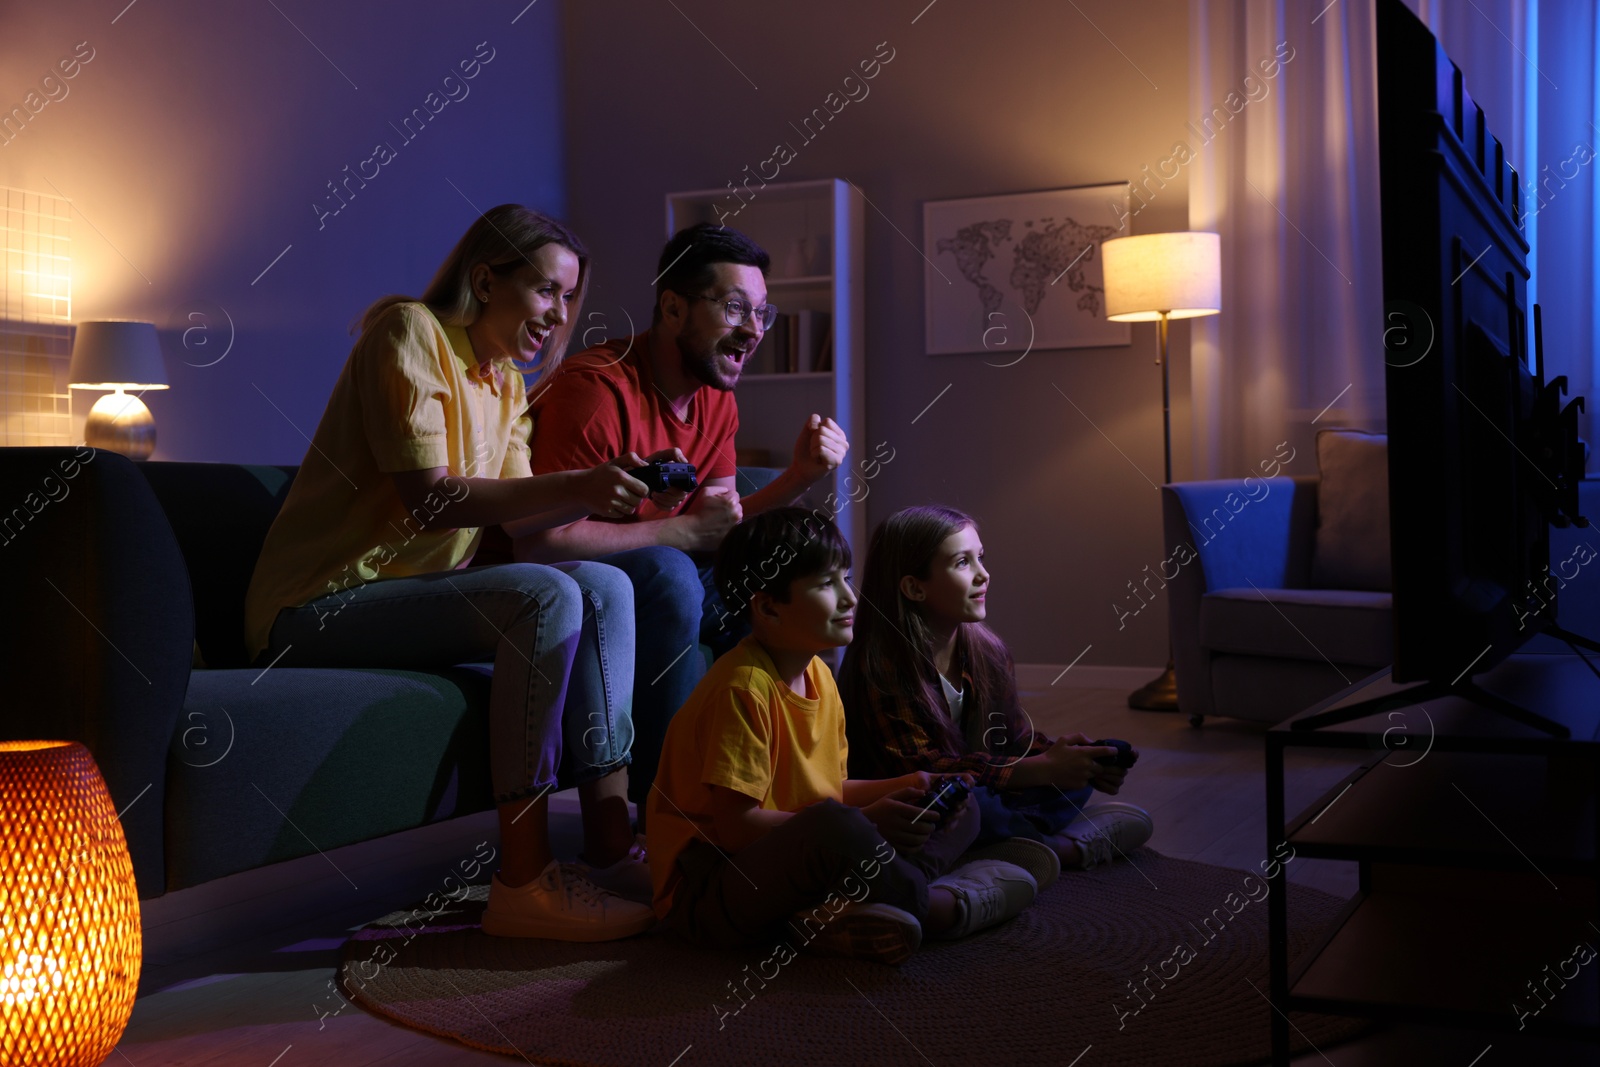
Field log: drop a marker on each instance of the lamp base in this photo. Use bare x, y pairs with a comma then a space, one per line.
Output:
1159, 694
121, 423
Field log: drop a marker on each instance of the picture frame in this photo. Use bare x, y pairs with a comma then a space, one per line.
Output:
1020, 272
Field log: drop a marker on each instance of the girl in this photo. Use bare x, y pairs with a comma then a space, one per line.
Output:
424, 442
927, 686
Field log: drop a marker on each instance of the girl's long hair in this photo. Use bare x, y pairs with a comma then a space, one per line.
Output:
505, 238
892, 651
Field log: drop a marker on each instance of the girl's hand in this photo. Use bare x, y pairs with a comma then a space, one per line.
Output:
1072, 765
1110, 779
608, 490
900, 819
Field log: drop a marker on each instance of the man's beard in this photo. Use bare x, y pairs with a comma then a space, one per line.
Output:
702, 367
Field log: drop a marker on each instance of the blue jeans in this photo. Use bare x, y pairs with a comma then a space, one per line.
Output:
676, 608
1036, 812
561, 638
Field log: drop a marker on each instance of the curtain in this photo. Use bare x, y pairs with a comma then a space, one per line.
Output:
1290, 183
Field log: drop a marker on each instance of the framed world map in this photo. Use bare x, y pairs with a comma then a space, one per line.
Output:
1007, 275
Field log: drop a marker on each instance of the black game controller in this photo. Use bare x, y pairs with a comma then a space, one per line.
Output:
1126, 757
661, 477
943, 799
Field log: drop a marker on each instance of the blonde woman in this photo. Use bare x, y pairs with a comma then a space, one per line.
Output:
424, 443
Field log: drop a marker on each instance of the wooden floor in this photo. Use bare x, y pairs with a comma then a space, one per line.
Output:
239, 971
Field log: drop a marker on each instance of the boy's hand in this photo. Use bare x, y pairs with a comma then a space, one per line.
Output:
901, 820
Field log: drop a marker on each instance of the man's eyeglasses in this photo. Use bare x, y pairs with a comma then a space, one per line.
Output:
738, 311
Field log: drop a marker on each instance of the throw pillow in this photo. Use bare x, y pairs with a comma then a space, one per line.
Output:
1351, 550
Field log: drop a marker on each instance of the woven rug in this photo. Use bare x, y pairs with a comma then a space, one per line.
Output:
1156, 961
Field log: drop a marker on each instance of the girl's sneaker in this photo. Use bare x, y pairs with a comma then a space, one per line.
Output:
628, 878
1108, 831
564, 906
1035, 857
987, 894
880, 932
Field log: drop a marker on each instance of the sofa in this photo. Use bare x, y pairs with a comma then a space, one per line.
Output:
1279, 588
1280, 595
126, 585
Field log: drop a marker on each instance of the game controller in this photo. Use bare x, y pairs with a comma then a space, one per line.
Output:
662, 477
943, 799
1126, 757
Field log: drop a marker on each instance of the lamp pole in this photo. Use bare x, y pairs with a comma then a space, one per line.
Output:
1161, 693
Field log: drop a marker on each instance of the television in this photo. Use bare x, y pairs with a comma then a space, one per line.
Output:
1483, 456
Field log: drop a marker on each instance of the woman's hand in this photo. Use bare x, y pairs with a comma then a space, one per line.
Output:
608, 490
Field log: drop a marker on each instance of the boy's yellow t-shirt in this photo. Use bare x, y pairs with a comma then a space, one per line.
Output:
742, 728
407, 399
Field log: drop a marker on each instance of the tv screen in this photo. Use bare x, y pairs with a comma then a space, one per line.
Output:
1480, 451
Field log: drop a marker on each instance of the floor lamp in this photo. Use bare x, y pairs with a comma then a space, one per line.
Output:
1157, 277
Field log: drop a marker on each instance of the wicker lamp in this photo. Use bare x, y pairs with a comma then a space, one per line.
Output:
69, 911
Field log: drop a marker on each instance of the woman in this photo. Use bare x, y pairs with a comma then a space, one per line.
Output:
424, 443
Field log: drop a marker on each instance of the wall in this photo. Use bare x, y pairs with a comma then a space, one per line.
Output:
978, 99
197, 140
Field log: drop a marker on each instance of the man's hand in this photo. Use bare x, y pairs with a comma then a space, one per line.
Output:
900, 819
666, 502
819, 449
707, 521
608, 490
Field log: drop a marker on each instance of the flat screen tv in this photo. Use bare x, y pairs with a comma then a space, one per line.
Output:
1483, 457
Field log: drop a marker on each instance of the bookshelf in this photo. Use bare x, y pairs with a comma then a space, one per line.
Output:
813, 230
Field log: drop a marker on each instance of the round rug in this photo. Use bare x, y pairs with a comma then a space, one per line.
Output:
1157, 960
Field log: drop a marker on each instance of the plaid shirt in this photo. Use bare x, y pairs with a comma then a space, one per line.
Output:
893, 736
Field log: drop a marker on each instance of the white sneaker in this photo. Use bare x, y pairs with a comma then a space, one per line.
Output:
1035, 857
987, 893
562, 905
880, 932
1108, 831
628, 878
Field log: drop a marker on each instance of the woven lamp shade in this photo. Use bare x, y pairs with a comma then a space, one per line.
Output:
69, 912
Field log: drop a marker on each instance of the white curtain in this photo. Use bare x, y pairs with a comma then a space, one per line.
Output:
1291, 184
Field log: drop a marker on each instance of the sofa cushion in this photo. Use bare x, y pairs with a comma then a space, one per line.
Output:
220, 513
1352, 541
1342, 625
266, 767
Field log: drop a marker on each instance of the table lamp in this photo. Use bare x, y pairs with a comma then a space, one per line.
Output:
118, 355
69, 911
1157, 277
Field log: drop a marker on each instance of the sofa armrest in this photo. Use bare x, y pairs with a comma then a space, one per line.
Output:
102, 645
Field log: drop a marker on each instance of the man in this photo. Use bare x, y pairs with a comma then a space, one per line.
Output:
668, 393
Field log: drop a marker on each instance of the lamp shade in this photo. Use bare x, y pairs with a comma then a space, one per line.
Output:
1176, 273
117, 355
69, 912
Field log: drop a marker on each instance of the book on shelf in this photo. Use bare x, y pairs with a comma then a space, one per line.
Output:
799, 341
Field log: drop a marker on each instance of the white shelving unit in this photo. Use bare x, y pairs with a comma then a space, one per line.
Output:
813, 231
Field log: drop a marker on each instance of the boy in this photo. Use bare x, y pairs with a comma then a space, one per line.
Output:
754, 831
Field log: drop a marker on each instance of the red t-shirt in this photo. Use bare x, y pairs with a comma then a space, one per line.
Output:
601, 403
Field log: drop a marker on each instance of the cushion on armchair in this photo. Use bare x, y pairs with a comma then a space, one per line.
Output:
1352, 540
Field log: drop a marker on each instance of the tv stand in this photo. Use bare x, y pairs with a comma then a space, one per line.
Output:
1425, 691
1478, 855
